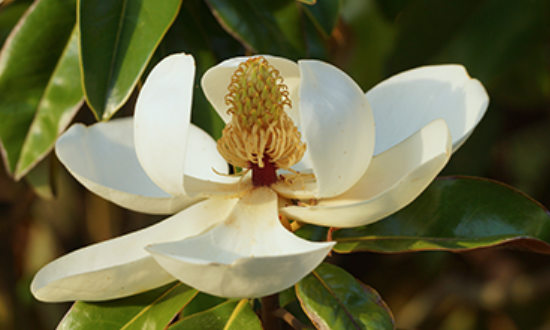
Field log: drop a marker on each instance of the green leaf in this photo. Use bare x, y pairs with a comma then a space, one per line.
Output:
262, 26
41, 178
153, 310
456, 213
9, 15
333, 299
201, 303
308, 2
317, 44
287, 296
39, 83
324, 15
117, 40
61, 100
231, 315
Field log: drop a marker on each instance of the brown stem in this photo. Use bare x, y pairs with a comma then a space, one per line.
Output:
270, 304
264, 176
290, 319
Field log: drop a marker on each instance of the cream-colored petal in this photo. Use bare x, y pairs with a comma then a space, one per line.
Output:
302, 186
121, 267
409, 100
162, 120
393, 180
202, 159
102, 158
249, 255
337, 125
215, 81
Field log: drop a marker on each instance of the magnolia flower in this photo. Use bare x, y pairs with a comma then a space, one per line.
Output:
303, 134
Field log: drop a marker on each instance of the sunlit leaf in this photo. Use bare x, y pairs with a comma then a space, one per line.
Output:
59, 103
117, 40
201, 303
334, 299
39, 83
152, 310
231, 315
456, 213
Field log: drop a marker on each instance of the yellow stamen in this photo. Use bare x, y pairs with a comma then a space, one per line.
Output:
259, 129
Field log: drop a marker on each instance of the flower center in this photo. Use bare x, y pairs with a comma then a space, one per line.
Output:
260, 135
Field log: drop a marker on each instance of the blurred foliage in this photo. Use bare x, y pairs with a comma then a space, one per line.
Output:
504, 43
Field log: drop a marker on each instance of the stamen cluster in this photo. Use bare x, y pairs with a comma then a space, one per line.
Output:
256, 95
260, 131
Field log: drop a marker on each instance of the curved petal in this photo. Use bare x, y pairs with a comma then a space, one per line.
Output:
215, 81
337, 126
409, 100
121, 267
162, 120
102, 158
202, 159
249, 255
394, 179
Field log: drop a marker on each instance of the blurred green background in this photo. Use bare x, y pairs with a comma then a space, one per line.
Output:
503, 43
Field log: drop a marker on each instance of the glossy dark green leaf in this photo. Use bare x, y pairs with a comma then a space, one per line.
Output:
39, 83
117, 40
287, 296
231, 315
152, 310
61, 100
456, 213
9, 15
324, 15
201, 303
262, 26
334, 299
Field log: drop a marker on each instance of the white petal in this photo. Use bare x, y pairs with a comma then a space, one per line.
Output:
215, 81
337, 126
121, 267
202, 159
162, 118
249, 255
393, 180
102, 158
409, 100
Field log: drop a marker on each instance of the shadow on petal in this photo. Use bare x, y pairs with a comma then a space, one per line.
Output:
249, 255
121, 267
406, 102
393, 180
